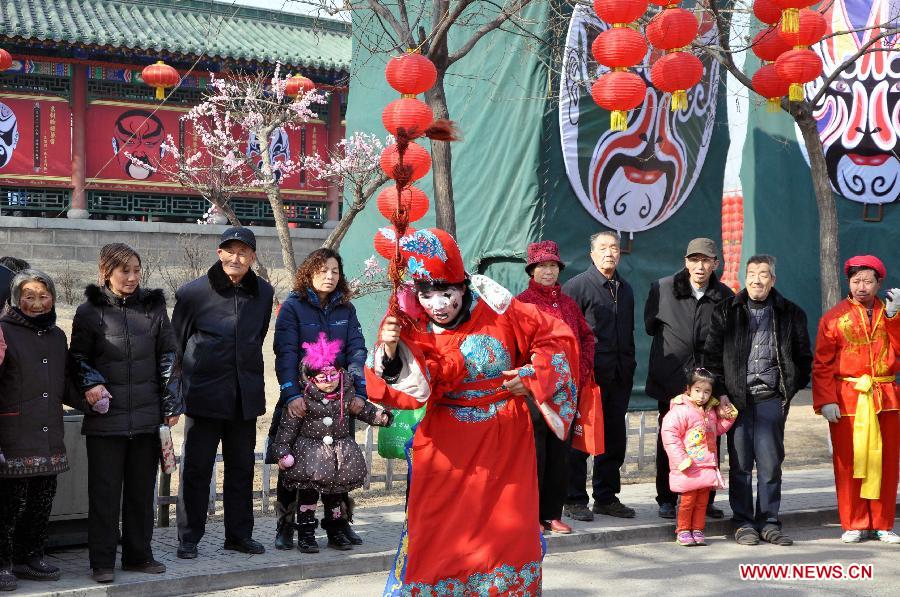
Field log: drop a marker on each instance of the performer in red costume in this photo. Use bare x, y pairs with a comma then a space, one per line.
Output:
472, 354
854, 387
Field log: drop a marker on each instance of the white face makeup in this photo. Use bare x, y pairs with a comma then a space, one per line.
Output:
442, 306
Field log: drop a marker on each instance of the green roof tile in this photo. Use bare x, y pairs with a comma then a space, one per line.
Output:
192, 27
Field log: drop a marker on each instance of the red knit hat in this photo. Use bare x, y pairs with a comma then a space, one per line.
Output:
545, 250
867, 261
433, 256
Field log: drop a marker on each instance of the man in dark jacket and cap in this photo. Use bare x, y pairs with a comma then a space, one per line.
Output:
677, 315
220, 322
6, 276
758, 349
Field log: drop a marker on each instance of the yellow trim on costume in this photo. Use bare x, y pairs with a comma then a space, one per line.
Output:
867, 444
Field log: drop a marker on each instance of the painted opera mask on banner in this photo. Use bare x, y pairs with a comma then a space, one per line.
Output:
9, 134
279, 149
138, 137
635, 179
859, 115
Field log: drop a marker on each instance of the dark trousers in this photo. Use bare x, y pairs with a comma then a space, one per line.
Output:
25, 506
201, 439
756, 436
664, 495
121, 470
607, 480
552, 467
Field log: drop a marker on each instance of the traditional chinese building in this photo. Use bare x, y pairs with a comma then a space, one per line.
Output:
73, 103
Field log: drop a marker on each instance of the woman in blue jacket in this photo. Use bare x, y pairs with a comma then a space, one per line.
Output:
320, 302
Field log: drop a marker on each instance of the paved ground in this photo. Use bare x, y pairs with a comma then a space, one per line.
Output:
808, 500
650, 568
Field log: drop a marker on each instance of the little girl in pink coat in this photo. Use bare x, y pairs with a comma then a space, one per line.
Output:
689, 432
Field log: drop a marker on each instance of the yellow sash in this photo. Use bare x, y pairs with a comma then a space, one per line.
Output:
867, 436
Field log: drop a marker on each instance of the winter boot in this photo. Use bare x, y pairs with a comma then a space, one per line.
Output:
306, 531
35, 568
335, 524
8, 580
284, 528
348, 505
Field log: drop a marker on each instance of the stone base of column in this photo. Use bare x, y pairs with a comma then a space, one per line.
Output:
78, 214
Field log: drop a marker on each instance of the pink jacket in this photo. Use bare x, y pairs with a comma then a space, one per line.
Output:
689, 437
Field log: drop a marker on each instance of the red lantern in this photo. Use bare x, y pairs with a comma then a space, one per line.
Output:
407, 113
385, 242
672, 28
798, 67
298, 84
411, 73
768, 45
665, 3
160, 75
618, 92
790, 13
5, 60
766, 12
812, 26
768, 84
416, 156
412, 199
675, 73
619, 47
620, 11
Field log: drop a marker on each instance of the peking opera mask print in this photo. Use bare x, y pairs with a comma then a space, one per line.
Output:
9, 134
858, 117
279, 150
635, 179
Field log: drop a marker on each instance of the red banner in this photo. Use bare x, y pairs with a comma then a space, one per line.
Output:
35, 140
117, 128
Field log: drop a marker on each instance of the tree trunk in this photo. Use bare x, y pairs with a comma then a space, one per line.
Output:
829, 253
337, 235
440, 160
274, 195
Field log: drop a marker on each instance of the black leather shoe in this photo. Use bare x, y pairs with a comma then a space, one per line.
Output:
8, 580
667, 510
187, 550
149, 567
352, 536
36, 569
617, 509
579, 512
248, 545
103, 575
338, 540
713, 512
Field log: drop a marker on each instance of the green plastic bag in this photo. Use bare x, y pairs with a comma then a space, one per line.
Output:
392, 440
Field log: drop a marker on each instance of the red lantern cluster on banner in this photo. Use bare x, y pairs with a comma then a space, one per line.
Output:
618, 48
5, 60
161, 76
672, 30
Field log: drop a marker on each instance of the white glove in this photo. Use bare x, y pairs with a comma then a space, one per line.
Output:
831, 412
892, 302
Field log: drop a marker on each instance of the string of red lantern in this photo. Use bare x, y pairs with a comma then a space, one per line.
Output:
298, 84
790, 13
767, 83
766, 12
801, 65
618, 48
671, 31
5, 60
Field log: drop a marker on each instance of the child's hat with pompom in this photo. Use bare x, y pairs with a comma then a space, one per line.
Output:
321, 354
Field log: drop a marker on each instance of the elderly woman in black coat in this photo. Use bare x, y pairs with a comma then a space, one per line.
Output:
123, 351
32, 452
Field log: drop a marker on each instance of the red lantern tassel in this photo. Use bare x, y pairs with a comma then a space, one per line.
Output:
160, 93
790, 20
618, 120
796, 93
773, 104
679, 100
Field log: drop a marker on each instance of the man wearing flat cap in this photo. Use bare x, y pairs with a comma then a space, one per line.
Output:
677, 315
854, 387
220, 321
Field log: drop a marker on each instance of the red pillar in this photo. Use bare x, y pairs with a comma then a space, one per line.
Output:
78, 209
334, 135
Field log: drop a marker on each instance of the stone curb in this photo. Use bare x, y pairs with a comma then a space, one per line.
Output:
382, 561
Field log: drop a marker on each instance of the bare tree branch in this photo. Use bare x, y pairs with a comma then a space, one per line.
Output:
506, 13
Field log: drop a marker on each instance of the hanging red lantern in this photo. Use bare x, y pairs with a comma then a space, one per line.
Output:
411, 73
298, 84
412, 199
385, 240
790, 13
618, 92
407, 113
620, 11
767, 83
766, 12
672, 28
798, 67
416, 156
768, 45
619, 47
811, 27
665, 3
675, 73
5, 60
161, 76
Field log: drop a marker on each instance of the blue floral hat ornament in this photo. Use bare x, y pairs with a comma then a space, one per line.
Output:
432, 255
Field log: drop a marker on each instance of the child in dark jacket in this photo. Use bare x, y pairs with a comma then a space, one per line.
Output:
689, 432
317, 452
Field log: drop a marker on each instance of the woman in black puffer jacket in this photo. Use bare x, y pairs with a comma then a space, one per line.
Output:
123, 349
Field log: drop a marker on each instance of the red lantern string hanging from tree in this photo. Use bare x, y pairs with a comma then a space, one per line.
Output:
386, 240
675, 73
416, 160
619, 47
411, 73
768, 45
298, 84
671, 29
618, 92
413, 200
766, 12
5, 60
161, 76
410, 114
620, 12
798, 67
811, 27
790, 13
768, 84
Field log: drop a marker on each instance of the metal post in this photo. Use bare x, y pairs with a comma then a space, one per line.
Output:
212, 491
389, 474
165, 490
368, 454
266, 480
641, 433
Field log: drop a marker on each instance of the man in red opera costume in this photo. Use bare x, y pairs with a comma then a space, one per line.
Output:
854, 388
473, 355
